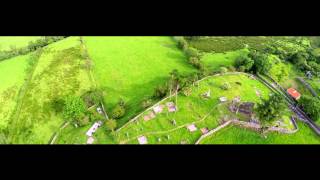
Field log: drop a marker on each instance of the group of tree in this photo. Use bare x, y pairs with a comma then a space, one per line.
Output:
311, 106
32, 46
244, 63
75, 108
270, 109
304, 59
192, 54
255, 61
175, 83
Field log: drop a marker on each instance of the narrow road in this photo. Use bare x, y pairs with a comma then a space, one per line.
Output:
293, 105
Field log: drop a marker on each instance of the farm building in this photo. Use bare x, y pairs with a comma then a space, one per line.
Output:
158, 109
223, 99
294, 93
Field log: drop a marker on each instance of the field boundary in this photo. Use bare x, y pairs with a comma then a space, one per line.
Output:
20, 98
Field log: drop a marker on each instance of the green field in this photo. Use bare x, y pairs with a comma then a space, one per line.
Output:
57, 73
12, 77
193, 109
236, 135
131, 67
213, 61
6, 42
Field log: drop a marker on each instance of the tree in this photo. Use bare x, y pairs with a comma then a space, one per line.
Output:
244, 63
93, 97
283, 73
111, 124
270, 109
160, 91
74, 108
314, 66
83, 121
119, 110
58, 105
195, 61
261, 62
223, 70
187, 91
311, 106
192, 52
147, 102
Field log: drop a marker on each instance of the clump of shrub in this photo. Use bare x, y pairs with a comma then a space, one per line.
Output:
223, 70
187, 91
119, 110
226, 86
146, 102
92, 97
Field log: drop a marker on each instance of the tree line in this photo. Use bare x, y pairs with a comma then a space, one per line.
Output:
32, 46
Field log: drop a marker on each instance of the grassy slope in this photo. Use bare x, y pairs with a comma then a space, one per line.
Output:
192, 109
17, 41
236, 135
12, 77
130, 67
216, 60
58, 73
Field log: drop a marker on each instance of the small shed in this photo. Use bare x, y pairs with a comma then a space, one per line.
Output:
171, 107
158, 109
223, 99
192, 128
142, 140
204, 130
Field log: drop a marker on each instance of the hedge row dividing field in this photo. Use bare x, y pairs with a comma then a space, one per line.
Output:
6, 42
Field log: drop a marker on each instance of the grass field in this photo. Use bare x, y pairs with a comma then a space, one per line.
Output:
6, 42
236, 135
193, 109
216, 60
130, 67
57, 73
12, 77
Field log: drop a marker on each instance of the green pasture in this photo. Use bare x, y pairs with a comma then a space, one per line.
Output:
131, 67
